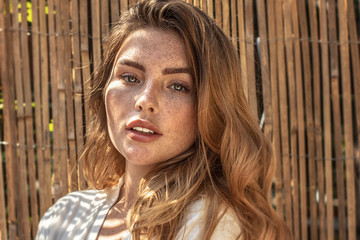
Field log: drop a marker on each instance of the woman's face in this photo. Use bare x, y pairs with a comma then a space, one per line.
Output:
150, 109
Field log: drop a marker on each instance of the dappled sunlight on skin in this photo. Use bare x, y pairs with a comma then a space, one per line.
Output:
111, 229
114, 226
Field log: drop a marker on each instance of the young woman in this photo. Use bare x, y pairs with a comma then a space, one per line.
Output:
173, 151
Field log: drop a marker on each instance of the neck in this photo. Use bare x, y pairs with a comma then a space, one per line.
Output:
132, 178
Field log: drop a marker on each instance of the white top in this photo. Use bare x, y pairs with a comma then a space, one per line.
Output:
80, 215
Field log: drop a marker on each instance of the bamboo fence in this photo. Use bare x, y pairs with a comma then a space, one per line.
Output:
301, 71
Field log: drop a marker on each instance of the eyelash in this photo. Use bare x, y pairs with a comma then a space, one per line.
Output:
183, 88
127, 76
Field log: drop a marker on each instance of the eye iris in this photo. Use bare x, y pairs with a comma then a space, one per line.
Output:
131, 79
178, 87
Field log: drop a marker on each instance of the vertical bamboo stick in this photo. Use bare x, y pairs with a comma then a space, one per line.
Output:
226, 17
10, 129
309, 119
210, 8
77, 84
96, 33
317, 117
327, 120
335, 98
72, 176
218, 17
301, 128
3, 230
61, 167
4, 77
54, 92
275, 107
38, 120
292, 64
30, 136
250, 63
234, 35
355, 62
104, 18
265, 71
204, 6
24, 77
20, 191
283, 111
123, 5
292, 199
347, 116
242, 46
85, 66
115, 11
45, 102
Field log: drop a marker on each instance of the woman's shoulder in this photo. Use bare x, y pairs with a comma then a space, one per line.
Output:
227, 228
77, 214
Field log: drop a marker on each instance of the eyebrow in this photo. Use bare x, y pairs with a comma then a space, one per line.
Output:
132, 64
166, 71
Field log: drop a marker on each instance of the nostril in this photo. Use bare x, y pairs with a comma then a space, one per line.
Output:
151, 109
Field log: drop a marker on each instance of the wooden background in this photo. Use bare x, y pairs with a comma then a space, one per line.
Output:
301, 71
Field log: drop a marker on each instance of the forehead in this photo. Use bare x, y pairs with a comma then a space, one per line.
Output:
154, 44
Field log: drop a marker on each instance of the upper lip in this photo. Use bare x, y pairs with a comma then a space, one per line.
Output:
144, 124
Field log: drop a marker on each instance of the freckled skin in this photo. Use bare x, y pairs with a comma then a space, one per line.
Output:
151, 97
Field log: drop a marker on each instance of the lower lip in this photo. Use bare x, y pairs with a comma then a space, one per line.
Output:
142, 137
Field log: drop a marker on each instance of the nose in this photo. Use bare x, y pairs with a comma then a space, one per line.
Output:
147, 100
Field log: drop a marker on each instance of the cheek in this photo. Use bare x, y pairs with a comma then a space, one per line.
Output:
185, 124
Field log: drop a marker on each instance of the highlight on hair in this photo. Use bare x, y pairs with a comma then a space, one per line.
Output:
231, 162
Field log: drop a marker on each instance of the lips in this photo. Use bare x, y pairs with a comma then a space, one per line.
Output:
142, 131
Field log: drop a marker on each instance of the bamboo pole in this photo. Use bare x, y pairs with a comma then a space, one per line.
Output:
355, 62
265, 71
3, 230
96, 32
21, 214
104, 11
335, 99
10, 129
54, 90
242, 46
218, 17
203, 5
250, 58
317, 119
30, 135
309, 119
234, 34
326, 121
77, 87
292, 198
347, 116
226, 17
68, 81
284, 136
124, 5
4, 77
43, 203
61, 167
86, 80
275, 107
210, 8
301, 128
115, 10
45, 143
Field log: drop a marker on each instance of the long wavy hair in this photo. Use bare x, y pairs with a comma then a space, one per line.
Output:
231, 161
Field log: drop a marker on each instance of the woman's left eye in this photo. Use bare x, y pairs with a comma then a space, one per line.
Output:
178, 87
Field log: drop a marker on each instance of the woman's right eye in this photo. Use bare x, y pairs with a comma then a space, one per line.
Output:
130, 78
